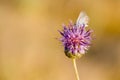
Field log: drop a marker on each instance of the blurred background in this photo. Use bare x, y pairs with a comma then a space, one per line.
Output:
29, 49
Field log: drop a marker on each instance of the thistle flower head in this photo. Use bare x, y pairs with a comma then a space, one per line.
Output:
75, 38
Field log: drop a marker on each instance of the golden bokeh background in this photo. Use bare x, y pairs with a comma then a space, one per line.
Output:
29, 49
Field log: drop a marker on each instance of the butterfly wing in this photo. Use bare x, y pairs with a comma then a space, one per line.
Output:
82, 20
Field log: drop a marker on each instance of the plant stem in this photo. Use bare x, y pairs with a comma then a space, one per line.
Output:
75, 68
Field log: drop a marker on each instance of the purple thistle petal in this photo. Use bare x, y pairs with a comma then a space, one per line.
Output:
76, 40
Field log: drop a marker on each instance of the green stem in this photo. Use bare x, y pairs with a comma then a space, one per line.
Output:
75, 68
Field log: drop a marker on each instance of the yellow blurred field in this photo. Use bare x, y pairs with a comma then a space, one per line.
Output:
29, 49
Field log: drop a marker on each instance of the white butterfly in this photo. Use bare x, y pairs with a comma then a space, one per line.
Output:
82, 20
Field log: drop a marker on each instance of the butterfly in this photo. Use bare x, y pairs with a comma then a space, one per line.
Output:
82, 20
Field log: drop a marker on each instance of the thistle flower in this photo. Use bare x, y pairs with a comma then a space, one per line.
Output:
76, 39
